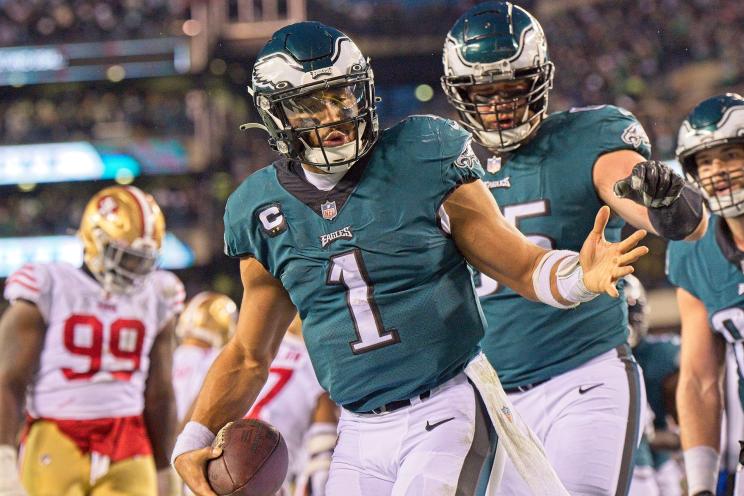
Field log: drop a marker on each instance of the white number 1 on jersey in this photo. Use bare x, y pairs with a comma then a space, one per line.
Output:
348, 269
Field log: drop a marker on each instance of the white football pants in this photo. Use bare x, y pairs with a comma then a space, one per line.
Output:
435, 446
588, 419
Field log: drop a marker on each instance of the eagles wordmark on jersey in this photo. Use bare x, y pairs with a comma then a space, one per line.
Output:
385, 297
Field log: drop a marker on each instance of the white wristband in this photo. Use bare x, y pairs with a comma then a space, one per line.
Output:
194, 436
569, 280
321, 437
701, 466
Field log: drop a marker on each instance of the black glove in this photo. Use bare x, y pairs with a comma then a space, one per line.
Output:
651, 184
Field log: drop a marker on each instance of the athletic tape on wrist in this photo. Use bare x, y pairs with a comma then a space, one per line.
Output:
701, 465
569, 280
194, 436
321, 437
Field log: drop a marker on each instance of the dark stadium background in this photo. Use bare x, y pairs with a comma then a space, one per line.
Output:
155, 90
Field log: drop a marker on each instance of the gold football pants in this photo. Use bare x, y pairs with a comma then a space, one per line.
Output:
52, 465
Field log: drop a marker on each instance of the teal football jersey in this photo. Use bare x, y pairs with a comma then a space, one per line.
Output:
545, 189
711, 270
658, 356
387, 301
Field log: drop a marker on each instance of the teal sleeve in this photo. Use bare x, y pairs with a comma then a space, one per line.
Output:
675, 267
620, 130
458, 161
238, 227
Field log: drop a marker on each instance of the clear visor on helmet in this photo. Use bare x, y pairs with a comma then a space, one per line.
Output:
124, 267
329, 124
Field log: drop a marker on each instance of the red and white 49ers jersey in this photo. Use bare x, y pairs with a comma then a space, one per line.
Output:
190, 366
287, 400
289, 397
95, 359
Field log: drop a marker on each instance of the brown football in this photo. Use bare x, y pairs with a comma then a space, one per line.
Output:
253, 461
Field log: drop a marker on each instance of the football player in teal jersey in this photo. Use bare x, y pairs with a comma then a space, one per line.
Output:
570, 374
709, 280
658, 356
367, 234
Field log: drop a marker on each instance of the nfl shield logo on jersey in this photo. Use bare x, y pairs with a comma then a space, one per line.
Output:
493, 164
328, 209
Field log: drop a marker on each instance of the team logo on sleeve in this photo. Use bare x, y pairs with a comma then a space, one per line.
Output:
467, 158
635, 136
329, 211
343, 233
272, 219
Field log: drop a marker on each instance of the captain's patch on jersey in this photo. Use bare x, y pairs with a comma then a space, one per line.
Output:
343, 233
467, 158
272, 219
635, 136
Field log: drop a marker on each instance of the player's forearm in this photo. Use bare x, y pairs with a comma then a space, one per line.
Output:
700, 405
230, 387
11, 411
160, 420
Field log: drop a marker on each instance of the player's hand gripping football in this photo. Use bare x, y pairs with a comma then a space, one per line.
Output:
603, 262
192, 467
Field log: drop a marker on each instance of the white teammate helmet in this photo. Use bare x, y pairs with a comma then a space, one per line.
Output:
494, 42
716, 121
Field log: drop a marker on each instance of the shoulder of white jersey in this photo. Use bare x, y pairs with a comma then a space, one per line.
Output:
27, 282
169, 292
34, 282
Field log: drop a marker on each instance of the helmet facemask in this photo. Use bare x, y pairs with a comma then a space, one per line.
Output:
329, 125
122, 268
724, 190
503, 121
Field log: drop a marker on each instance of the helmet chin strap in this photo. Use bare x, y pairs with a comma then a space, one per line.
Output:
253, 125
506, 140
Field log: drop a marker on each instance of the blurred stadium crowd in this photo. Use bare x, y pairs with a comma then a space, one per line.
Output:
37, 22
637, 54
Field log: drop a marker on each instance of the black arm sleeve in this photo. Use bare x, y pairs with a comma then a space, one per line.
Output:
678, 220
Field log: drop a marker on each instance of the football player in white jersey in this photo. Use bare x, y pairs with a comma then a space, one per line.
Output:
91, 349
292, 400
205, 325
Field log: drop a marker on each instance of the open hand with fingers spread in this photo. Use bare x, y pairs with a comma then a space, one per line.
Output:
603, 262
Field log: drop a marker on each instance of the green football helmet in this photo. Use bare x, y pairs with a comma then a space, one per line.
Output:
719, 120
314, 91
496, 42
